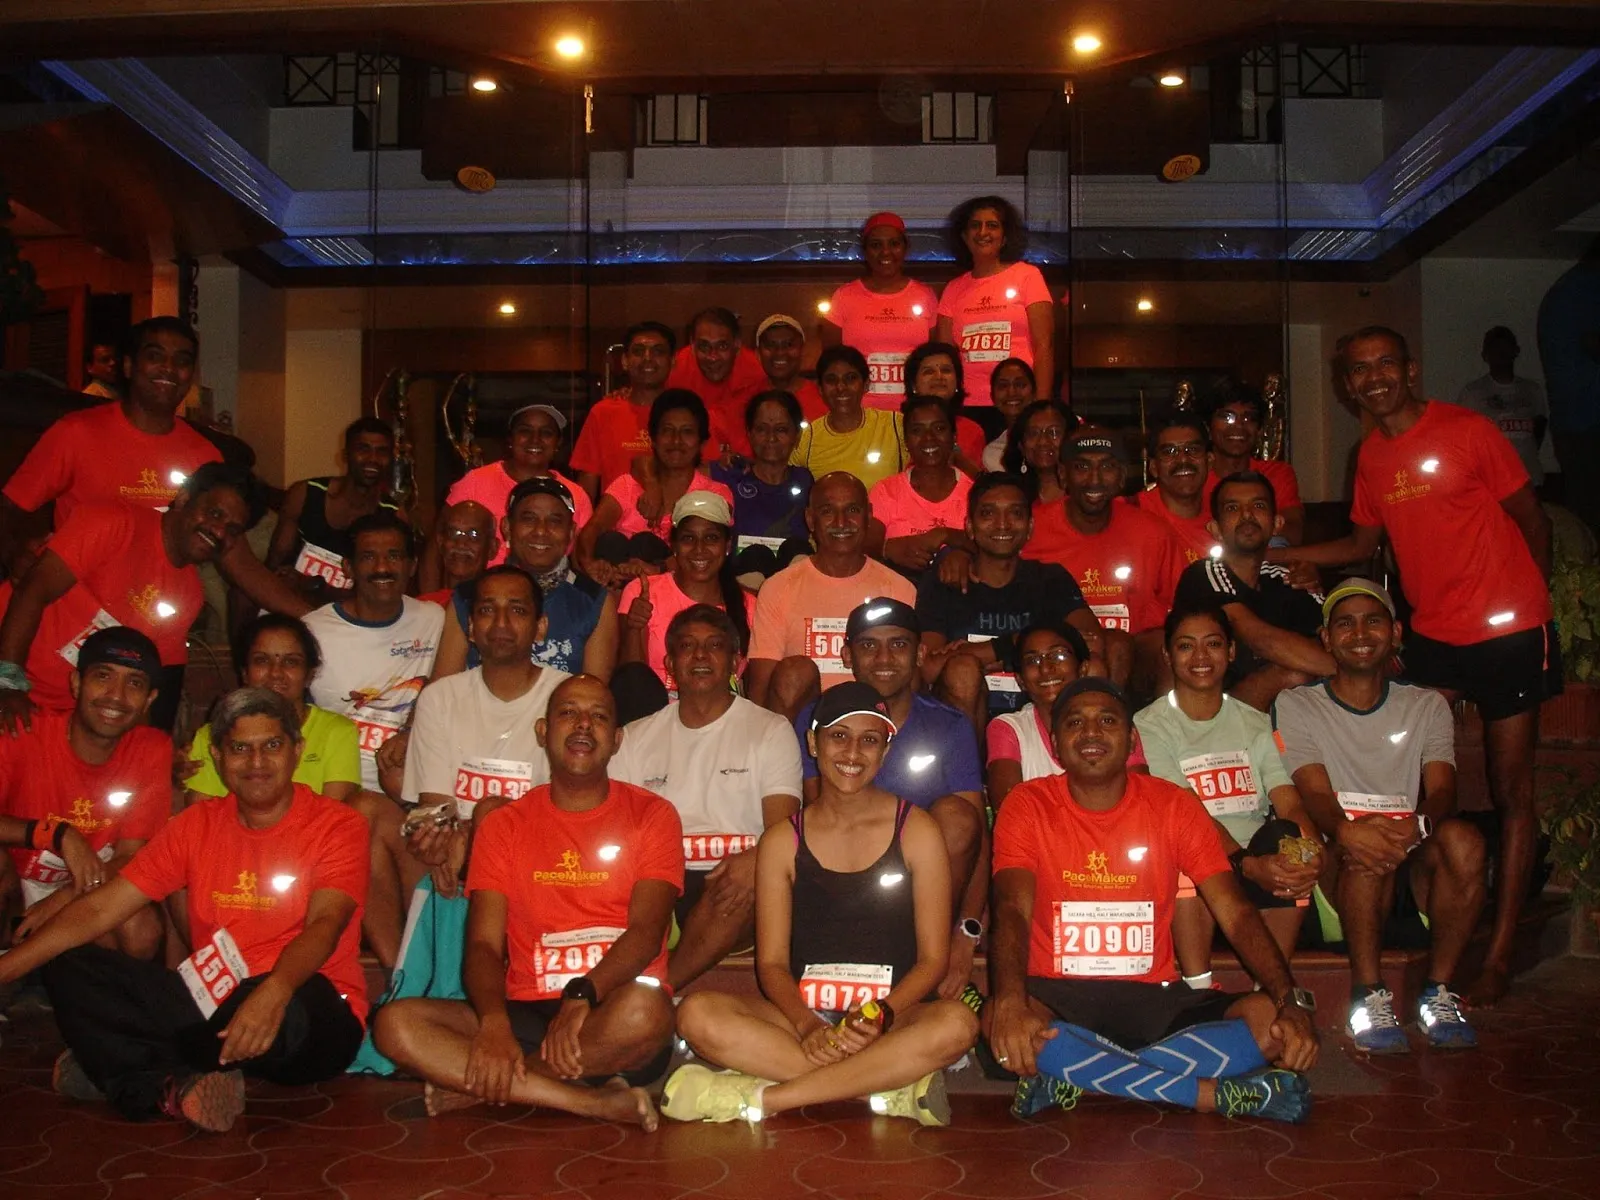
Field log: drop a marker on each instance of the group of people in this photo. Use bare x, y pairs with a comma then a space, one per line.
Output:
812, 669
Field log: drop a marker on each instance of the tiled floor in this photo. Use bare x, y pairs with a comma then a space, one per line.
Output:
1520, 1117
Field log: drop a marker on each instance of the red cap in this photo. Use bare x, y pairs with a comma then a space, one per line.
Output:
883, 218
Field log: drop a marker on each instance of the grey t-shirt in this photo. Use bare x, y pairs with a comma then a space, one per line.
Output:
1374, 758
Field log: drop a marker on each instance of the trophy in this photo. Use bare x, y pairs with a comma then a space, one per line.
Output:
1269, 445
466, 444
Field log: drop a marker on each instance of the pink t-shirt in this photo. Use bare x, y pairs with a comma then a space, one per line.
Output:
625, 490
800, 612
885, 328
667, 600
491, 487
904, 513
1003, 741
989, 321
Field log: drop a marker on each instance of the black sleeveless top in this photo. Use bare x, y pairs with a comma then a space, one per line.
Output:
313, 525
866, 917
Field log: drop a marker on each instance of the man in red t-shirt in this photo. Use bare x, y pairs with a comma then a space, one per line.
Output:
781, 345
1473, 547
275, 876
82, 791
617, 428
565, 968
1180, 458
718, 367
1235, 413
1086, 993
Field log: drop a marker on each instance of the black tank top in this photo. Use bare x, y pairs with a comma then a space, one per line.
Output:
313, 526
856, 917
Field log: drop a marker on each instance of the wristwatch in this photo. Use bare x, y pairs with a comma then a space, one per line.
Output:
971, 926
581, 988
1299, 997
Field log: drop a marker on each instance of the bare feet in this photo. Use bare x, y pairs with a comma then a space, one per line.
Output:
438, 1100
1493, 983
619, 1102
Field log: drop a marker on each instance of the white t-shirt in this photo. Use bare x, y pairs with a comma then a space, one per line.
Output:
468, 743
1514, 407
716, 777
373, 673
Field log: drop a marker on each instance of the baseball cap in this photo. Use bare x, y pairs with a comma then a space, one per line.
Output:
1356, 587
708, 506
780, 319
121, 647
1088, 683
847, 700
540, 485
555, 415
882, 218
879, 611
1092, 438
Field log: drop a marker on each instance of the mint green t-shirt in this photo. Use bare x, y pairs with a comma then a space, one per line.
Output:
332, 754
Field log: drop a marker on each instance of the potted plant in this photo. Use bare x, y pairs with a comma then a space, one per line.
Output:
1573, 823
1573, 718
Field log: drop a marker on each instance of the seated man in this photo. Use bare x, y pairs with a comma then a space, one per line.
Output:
463, 544
1275, 622
1085, 987
275, 876
1374, 761
731, 768
932, 763
571, 891
798, 631
81, 792
969, 631
1180, 461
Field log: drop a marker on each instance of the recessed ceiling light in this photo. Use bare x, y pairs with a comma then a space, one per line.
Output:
1145, 305
484, 84
508, 309
569, 46
1171, 79
824, 306
1086, 43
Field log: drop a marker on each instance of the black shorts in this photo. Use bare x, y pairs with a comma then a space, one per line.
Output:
1128, 1013
530, 1019
1503, 676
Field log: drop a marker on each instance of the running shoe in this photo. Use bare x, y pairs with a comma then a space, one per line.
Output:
1372, 1024
1271, 1092
212, 1101
924, 1101
1040, 1093
1440, 1017
69, 1079
696, 1093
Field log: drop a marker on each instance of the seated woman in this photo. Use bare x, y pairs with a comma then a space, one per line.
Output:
699, 571
1199, 737
769, 494
1019, 744
1012, 385
924, 507
852, 933
866, 442
1033, 449
934, 369
627, 536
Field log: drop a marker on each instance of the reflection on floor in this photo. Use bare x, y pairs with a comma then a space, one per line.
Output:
1519, 1117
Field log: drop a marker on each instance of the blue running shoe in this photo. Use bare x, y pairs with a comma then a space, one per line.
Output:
1373, 1027
1271, 1092
1040, 1093
1440, 1018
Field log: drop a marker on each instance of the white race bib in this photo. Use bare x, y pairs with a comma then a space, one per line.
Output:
986, 341
213, 971
1224, 781
1105, 937
840, 987
825, 644
1112, 616
374, 732
318, 563
998, 679
1363, 804
702, 851
480, 778
564, 957
886, 373
102, 620
746, 540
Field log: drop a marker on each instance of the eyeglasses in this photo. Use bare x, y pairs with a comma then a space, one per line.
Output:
463, 535
1186, 450
1049, 433
1058, 657
1233, 418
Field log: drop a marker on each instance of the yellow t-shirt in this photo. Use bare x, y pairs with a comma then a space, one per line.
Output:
874, 450
332, 754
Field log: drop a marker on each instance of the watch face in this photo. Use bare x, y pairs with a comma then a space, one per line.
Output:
972, 928
1305, 998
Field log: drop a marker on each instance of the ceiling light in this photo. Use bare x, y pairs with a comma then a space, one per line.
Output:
1086, 43
484, 84
1171, 79
1145, 305
824, 306
569, 46
508, 309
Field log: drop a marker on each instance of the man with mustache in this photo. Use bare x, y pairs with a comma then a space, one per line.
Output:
1275, 623
799, 629
1235, 413
718, 367
1180, 460
464, 543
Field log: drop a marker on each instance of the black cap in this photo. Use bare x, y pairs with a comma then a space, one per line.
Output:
1087, 683
1091, 438
540, 485
846, 699
121, 647
881, 610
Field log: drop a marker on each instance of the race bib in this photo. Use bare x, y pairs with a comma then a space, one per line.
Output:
1225, 782
213, 971
373, 734
746, 540
50, 869
102, 620
987, 341
564, 957
839, 987
1112, 616
316, 563
886, 373
479, 778
1516, 425
999, 680
825, 643
702, 851
1363, 804
1105, 937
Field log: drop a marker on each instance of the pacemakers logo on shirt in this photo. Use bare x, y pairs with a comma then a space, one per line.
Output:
569, 874
1097, 875
83, 819
1404, 489
149, 487
146, 601
1090, 585
244, 895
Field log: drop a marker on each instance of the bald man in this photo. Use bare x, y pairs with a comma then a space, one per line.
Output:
464, 544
